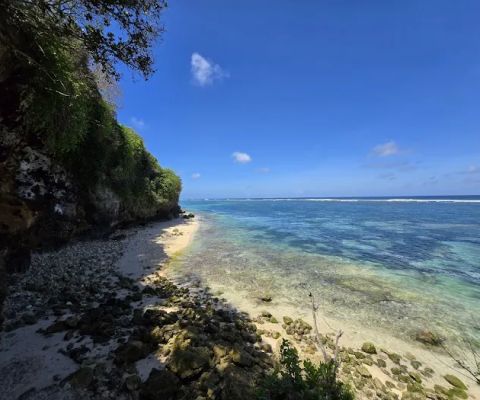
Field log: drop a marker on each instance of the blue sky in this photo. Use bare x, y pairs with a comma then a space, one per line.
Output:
314, 98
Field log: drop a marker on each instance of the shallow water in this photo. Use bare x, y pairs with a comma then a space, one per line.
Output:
398, 266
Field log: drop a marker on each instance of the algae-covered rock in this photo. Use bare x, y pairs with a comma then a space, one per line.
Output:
189, 362
364, 372
454, 381
161, 384
241, 357
428, 337
457, 393
381, 363
396, 358
82, 378
287, 320
415, 364
132, 351
266, 314
369, 348
359, 355
276, 335
415, 376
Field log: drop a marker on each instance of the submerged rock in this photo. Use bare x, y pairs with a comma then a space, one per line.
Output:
428, 337
266, 298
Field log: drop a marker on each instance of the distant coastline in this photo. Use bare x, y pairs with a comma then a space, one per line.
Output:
420, 199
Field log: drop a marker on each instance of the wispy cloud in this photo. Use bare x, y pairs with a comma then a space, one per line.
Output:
400, 166
137, 123
196, 175
471, 170
204, 71
386, 149
264, 170
241, 158
388, 176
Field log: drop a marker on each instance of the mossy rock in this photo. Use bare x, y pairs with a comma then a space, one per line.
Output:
359, 355
396, 370
440, 389
457, 393
390, 384
428, 372
454, 381
415, 364
415, 376
428, 338
364, 372
396, 358
161, 384
415, 388
287, 320
82, 378
273, 320
266, 298
276, 335
367, 361
369, 348
381, 363
266, 314
189, 362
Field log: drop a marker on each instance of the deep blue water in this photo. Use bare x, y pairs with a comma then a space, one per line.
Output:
414, 258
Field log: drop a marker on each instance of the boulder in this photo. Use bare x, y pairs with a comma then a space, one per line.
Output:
161, 384
369, 348
364, 372
131, 352
82, 378
189, 362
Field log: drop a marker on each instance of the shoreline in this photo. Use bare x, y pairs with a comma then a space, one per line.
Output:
96, 320
354, 335
135, 266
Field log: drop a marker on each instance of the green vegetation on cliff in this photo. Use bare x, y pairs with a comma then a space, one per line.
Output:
54, 102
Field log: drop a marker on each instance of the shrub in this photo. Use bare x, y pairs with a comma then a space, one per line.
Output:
296, 380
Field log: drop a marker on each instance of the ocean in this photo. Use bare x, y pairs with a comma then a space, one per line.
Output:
395, 265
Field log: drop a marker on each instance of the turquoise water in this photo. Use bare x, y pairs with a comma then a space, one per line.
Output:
394, 264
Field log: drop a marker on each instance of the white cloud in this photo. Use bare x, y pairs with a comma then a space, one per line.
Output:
241, 158
137, 123
264, 170
196, 175
204, 71
386, 149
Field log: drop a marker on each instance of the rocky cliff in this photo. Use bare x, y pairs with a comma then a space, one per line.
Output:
67, 166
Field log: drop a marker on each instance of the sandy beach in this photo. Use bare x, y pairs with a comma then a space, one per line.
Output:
34, 365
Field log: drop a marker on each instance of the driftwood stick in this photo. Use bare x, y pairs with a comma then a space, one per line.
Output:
319, 341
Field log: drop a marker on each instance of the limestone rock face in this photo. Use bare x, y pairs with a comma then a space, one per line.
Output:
42, 204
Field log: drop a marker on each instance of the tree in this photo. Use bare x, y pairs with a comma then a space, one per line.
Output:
109, 30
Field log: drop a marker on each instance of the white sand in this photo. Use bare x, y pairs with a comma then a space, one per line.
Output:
30, 361
151, 247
